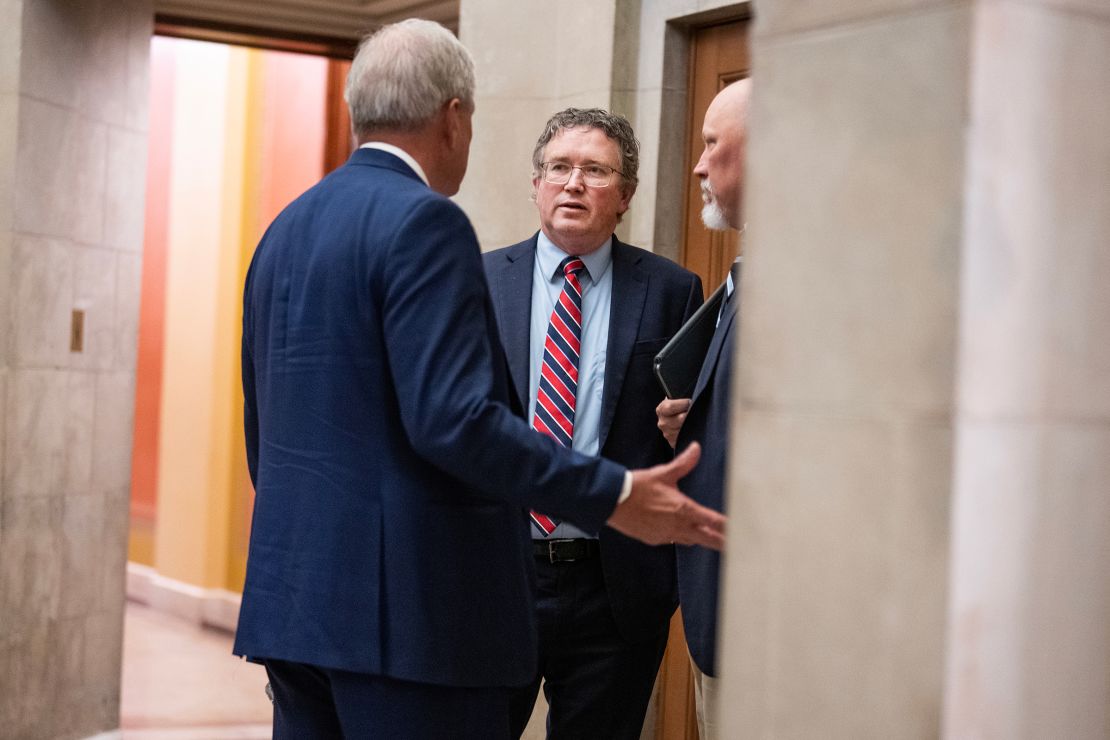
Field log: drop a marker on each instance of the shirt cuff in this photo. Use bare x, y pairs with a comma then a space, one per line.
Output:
626, 489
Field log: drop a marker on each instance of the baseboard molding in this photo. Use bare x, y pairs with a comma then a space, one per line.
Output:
211, 607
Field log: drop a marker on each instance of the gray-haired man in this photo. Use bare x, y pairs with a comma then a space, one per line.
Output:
387, 588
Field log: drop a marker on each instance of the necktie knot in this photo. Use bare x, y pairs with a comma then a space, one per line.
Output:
573, 266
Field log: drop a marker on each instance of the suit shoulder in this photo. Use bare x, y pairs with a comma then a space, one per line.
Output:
494, 255
504, 254
657, 264
382, 183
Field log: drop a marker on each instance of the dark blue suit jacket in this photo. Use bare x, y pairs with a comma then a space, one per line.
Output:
391, 467
652, 298
707, 423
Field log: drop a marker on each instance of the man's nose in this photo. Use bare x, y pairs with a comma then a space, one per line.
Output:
576, 181
700, 169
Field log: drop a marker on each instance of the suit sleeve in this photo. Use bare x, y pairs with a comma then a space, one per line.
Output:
438, 324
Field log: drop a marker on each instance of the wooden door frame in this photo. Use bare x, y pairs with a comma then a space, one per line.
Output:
707, 252
674, 123
253, 36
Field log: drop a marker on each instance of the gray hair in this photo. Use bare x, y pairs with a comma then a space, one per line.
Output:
403, 73
616, 127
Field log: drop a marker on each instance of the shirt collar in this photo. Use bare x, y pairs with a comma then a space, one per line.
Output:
401, 154
550, 257
731, 282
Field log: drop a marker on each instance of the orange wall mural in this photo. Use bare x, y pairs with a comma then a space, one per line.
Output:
235, 134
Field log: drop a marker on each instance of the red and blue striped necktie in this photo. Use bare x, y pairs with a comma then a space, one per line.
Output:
559, 373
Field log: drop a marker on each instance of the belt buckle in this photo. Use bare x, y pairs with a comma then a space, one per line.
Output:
551, 552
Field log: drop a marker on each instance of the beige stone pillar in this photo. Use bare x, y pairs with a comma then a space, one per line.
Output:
920, 482
1029, 643
836, 573
73, 88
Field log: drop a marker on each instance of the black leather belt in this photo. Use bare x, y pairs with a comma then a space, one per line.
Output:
565, 551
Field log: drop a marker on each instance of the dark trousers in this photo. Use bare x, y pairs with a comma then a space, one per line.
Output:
597, 684
312, 702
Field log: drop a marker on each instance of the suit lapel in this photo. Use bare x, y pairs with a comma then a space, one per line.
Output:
626, 308
514, 310
713, 354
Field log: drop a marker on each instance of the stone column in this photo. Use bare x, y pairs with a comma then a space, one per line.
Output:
73, 83
920, 485
836, 574
1029, 643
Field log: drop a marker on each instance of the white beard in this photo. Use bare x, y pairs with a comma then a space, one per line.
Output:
713, 217
711, 214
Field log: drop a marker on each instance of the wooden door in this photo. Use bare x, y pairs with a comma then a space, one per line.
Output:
719, 56
676, 715
339, 142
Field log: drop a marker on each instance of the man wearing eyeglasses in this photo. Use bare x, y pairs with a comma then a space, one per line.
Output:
581, 316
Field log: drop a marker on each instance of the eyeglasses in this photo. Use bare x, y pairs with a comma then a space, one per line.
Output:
594, 175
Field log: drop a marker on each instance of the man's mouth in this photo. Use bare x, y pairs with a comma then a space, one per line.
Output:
707, 195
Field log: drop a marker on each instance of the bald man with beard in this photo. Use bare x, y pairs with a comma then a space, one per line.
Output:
703, 417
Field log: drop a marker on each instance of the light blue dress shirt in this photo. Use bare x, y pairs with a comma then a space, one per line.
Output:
597, 297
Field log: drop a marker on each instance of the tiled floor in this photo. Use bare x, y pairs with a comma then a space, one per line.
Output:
181, 682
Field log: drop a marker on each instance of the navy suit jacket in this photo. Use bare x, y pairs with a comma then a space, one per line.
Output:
652, 298
391, 468
707, 423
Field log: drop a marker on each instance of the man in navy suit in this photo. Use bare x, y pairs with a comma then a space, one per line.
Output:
604, 600
388, 588
704, 417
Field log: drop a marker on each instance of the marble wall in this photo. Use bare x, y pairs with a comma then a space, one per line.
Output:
73, 78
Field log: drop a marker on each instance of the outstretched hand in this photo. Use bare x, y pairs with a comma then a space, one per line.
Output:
658, 513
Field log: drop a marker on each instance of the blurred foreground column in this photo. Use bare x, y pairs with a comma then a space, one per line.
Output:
920, 526
1029, 639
